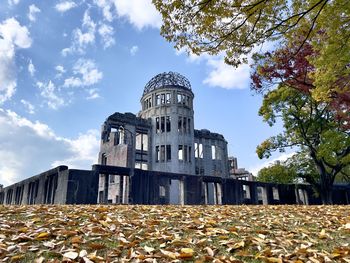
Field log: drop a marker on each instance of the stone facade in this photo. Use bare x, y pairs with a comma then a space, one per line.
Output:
161, 138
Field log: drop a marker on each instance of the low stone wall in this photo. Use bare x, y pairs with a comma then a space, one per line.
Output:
70, 186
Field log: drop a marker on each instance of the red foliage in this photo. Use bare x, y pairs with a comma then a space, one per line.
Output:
290, 66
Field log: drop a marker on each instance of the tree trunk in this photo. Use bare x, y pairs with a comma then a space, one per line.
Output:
326, 192
327, 197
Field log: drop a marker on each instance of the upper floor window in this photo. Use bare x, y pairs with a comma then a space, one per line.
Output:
198, 150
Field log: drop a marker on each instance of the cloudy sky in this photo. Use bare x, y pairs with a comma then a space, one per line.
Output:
65, 66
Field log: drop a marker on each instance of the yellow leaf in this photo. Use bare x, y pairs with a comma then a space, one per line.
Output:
238, 245
187, 250
322, 234
43, 235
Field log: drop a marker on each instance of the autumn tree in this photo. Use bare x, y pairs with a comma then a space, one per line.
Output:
309, 123
235, 28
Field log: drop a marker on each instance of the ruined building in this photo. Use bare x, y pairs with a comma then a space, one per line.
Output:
161, 138
157, 157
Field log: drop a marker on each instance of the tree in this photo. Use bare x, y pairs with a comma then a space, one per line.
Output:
276, 173
285, 66
308, 123
299, 168
235, 28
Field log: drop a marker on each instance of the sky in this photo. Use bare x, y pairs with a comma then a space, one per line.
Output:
65, 66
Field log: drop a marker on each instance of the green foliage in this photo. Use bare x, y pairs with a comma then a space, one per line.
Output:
277, 173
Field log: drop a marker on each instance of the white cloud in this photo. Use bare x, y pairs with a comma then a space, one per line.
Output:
33, 147
65, 6
87, 72
66, 51
134, 50
106, 6
60, 71
12, 37
82, 37
31, 68
33, 10
49, 93
283, 157
29, 107
84, 151
226, 76
106, 32
93, 94
140, 13
13, 2
220, 74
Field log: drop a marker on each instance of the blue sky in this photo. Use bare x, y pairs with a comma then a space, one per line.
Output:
65, 66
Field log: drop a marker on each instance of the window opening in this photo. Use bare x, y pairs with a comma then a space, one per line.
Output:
162, 124
213, 152
157, 154
180, 153
184, 123
168, 123
168, 98
157, 125
162, 153
179, 98
157, 99
168, 152
179, 126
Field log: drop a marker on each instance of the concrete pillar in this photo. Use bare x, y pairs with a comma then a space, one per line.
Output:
219, 193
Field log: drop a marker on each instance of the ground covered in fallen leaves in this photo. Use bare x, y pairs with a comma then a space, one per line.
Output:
90, 233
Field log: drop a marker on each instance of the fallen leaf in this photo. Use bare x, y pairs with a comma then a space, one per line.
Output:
71, 255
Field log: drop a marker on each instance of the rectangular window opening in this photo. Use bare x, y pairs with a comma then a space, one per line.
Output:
157, 125
162, 124
157, 99
162, 153
179, 126
213, 152
200, 151
168, 123
168, 98
184, 123
157, 154
179, 98
168, 152
180, 153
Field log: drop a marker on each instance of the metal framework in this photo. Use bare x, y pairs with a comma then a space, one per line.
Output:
167, 79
